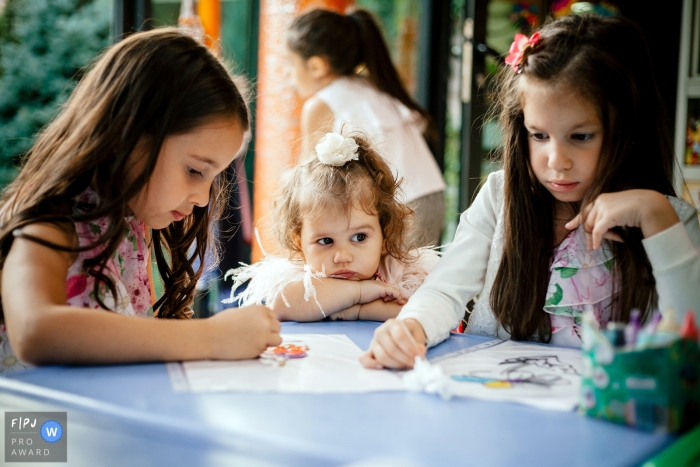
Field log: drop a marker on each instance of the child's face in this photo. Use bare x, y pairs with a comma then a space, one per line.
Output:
565, 137
307, 75
184, 172
345, 247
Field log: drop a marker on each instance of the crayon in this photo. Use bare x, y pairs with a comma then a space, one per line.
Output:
615, 332
632, 328
669, 323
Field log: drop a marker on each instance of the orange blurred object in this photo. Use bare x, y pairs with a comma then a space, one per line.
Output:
278, 108
189, 20
209, 12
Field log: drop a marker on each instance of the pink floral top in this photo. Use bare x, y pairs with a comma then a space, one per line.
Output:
128, 269
581, 281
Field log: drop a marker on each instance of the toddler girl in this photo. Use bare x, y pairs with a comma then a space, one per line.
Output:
583, 218
339, 220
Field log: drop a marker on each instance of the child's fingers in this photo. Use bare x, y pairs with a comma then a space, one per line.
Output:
387, 351
400, 300
610, 235
405, 343
275, 339
368, 361
388, 355
574, 223
391, 292
415, 349
590, 214
602, 226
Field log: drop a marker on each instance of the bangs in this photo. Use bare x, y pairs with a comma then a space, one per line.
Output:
339, 198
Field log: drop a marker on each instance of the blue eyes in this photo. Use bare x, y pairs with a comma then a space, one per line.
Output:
582, 136
359, 238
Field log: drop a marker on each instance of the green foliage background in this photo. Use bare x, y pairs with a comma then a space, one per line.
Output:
44, 47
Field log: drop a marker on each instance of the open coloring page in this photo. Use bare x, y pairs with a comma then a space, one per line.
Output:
539, 375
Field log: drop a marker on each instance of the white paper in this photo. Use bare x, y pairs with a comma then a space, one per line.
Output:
331, 366
552, 374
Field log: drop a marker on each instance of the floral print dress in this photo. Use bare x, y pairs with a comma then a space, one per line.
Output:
581, 281
127, 268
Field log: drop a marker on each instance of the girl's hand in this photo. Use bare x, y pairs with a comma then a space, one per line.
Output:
239, 333
371, 290
396, 344
646, 209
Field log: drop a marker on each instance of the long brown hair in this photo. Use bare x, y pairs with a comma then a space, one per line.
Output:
313, 189
606, 61
346, 42
143, 89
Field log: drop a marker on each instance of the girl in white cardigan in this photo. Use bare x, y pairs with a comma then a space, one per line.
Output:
583, 217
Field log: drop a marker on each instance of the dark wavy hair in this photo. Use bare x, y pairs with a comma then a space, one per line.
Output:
143, 89
314, 189
605, 61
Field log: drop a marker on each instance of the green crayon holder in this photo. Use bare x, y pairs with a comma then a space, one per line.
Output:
651, 389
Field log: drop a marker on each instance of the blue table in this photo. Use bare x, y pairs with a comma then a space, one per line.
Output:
129, 415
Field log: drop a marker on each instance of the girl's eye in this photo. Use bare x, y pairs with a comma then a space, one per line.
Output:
582, 136
538, 136
359, 237
195, 173
324, 241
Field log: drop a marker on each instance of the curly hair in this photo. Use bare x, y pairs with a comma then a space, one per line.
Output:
314, 188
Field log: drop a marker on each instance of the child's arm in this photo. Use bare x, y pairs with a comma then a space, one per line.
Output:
43, 329
378, 310
316, 120
647, 210
333, 295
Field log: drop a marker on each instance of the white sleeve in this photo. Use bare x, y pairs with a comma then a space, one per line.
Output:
675, 260
439, 304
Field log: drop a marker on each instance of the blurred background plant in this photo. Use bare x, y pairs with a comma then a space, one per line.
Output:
44, 46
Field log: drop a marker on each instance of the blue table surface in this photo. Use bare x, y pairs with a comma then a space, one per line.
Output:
130, 413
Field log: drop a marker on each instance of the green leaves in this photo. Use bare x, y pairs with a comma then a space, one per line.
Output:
44, 45
566, 272
556, 297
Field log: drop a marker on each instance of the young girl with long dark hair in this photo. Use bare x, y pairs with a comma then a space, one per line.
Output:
133, 164
583, 218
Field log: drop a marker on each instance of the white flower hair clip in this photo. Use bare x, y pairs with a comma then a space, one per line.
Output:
335, 149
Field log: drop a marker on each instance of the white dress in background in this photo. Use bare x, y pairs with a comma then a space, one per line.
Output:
391, 126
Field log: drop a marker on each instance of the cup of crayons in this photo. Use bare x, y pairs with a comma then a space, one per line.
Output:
647, 377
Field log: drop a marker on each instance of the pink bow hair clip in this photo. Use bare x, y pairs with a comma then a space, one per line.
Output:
516, 54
